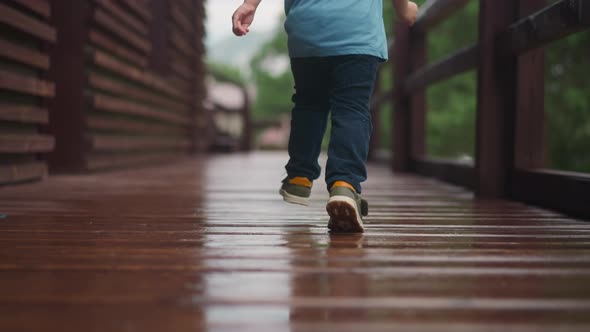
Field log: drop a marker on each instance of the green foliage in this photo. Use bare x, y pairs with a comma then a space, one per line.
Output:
452, 103
274, 90
567, 103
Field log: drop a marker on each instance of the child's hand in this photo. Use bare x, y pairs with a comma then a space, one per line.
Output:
242, 19
409, 14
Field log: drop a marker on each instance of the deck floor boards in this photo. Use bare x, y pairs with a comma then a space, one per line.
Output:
208, 245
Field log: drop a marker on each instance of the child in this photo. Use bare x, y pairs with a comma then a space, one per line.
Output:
336, 47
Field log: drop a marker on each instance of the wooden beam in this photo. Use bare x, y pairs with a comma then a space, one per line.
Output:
68, 71
401, 112
564, 191
418, 98
496, 103
459, 62
461, 174
544, 26
529, 149
435, 11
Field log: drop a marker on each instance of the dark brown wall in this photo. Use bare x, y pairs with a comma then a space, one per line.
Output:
129, 78
25, 35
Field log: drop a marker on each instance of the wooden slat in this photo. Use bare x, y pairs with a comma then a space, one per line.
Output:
24, 84
23, 113
551, 23
120, 13
132, 126
26, 23
106, 61
40, 7
181, 43
12, 51
182, 70
130, 143
180, 18
106, 161
25, 143
436, 11
106, 21
565, 191
122, 106
22, 172
122, 89
447, 170
457, 63
130, 55
140, 8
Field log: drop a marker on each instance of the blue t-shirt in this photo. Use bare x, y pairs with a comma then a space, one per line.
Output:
319, 28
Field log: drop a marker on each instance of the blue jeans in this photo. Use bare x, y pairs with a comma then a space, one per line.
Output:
342, 85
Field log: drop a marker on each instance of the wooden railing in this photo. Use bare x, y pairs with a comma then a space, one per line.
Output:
509, 60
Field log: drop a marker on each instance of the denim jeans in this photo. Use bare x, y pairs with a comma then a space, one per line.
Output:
340, 86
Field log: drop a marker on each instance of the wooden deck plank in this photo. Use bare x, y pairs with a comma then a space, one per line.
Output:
207, 244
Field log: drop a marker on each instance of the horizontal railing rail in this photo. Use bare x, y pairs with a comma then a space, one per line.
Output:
509, 60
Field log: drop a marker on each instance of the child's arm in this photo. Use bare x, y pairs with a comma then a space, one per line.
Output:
243, 17
406, 10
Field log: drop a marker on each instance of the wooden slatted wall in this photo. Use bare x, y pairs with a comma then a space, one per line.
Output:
200, 92
134, 115
24, 37
143, 83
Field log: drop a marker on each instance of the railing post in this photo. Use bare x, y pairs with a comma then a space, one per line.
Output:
530, 118
496, 104
401, 113
418, 97
409, 110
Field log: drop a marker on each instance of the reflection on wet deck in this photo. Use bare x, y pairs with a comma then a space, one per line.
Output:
209, 245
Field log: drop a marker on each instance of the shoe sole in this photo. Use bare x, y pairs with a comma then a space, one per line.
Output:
294, 199
344, 215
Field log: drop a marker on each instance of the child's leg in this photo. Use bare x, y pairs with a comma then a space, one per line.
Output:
353, 78
309, 116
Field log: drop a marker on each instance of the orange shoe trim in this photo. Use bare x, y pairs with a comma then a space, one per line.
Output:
343, 184
301, 181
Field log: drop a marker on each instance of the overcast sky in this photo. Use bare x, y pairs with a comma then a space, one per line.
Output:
219, 14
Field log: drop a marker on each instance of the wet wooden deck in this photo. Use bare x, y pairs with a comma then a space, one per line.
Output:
209, 245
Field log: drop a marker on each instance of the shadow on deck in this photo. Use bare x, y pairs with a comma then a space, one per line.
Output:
209, 245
